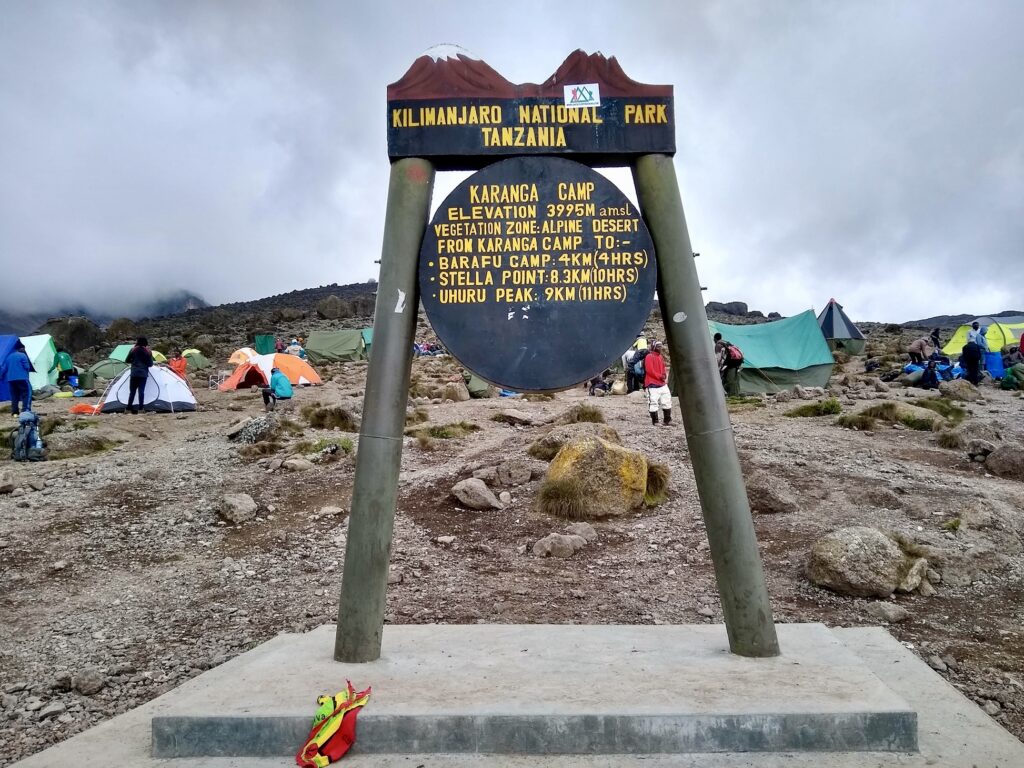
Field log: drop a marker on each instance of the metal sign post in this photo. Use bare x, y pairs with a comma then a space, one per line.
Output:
550, 258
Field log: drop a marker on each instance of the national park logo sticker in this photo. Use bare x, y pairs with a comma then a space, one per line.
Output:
583, 95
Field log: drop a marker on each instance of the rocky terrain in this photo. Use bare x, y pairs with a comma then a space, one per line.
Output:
154, 547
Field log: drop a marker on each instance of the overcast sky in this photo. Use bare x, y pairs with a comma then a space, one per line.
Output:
871, 151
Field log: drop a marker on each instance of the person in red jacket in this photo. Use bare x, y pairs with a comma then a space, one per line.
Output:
656, 383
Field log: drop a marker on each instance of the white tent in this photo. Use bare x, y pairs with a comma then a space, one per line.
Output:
165, 393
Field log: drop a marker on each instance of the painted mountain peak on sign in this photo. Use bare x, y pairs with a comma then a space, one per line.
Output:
461, 76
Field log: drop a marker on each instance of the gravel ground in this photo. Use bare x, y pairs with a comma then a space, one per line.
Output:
120, 579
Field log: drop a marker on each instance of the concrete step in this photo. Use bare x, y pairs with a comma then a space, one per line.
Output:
550, 690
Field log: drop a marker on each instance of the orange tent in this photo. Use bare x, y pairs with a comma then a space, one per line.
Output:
243, 355
256, 372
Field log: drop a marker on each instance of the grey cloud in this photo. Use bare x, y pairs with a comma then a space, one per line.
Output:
870, 151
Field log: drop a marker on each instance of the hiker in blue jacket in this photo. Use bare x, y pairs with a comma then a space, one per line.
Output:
15, 370
280, 389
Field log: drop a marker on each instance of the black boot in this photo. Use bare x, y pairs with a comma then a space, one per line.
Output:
668, 415
654, 417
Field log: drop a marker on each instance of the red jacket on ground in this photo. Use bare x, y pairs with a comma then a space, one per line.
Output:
654, 368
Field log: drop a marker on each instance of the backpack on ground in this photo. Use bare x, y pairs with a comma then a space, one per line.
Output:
638, 363
26, 443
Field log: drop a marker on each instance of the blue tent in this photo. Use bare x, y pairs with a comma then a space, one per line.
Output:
6, 347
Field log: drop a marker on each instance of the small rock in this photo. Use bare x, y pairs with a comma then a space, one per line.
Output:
6, 482
395, 576
888, 612
37, 484
487, 474
991, 708
706, 611
52, 709
60, 565
513, 416
914, 576
296, 464
513, 472
505, 497
926, 589
933, 576
558, 545
238, 507
978, 447
331, 511
474, 493
583, 530
936, 663
446, 540
88, 681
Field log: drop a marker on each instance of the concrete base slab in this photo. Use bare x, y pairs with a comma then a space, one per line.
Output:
550, 690
953, 732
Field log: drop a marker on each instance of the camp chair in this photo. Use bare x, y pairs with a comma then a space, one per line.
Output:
216, 379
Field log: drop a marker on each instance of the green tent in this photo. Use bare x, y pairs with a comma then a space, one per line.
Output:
781, 354
196, 360
41, 353
265, 344
367, 340
334, 346
108, 369
121, 352
478, 387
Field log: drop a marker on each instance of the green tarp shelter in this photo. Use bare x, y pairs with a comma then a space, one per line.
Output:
264, 344
41, 352
781, 354
367, 340
335, 346
108, 369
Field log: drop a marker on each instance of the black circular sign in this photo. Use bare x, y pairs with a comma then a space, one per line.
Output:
537, 273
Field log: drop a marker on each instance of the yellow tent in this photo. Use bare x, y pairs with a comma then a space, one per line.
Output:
998, 335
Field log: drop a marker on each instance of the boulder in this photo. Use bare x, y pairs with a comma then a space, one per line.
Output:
73, 333
979, 447
1006, 461
611, 479
978, 430
857, 561
254, 429
728, 307
237, 507
959, 389
7, 484
546, 447
769, 495
456, 391
88, 681
296, 464
331, 308
558, 545
513, 472
474, 493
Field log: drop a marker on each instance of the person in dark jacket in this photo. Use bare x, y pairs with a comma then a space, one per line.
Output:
970, 359
141, 360
15, 371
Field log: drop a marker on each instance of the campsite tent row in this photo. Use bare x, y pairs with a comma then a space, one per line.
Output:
1002, 332
342, 345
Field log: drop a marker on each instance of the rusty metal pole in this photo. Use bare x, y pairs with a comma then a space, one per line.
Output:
716, 467
375, 489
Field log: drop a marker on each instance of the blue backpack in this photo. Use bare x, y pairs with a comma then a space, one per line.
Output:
638, 363
26, 444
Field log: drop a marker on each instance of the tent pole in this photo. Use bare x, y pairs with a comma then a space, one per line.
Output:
716, 468
375, 488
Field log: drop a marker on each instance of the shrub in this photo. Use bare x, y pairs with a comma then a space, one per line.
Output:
83, 445
329, 418
425, 441
890, 412
452, 431
564, 497
538, 397
257, 450
543, 451
857, 421
583, 412
944, 408
287, 428
951, 440
342, 444
827, 407
418, 416
48, 425
952, 525
657, 484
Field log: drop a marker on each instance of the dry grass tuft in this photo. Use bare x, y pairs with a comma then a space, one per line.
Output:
948, 439
564, 498
657, 484
330, 418
828, 407
258, 450
856, 421
583, 412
